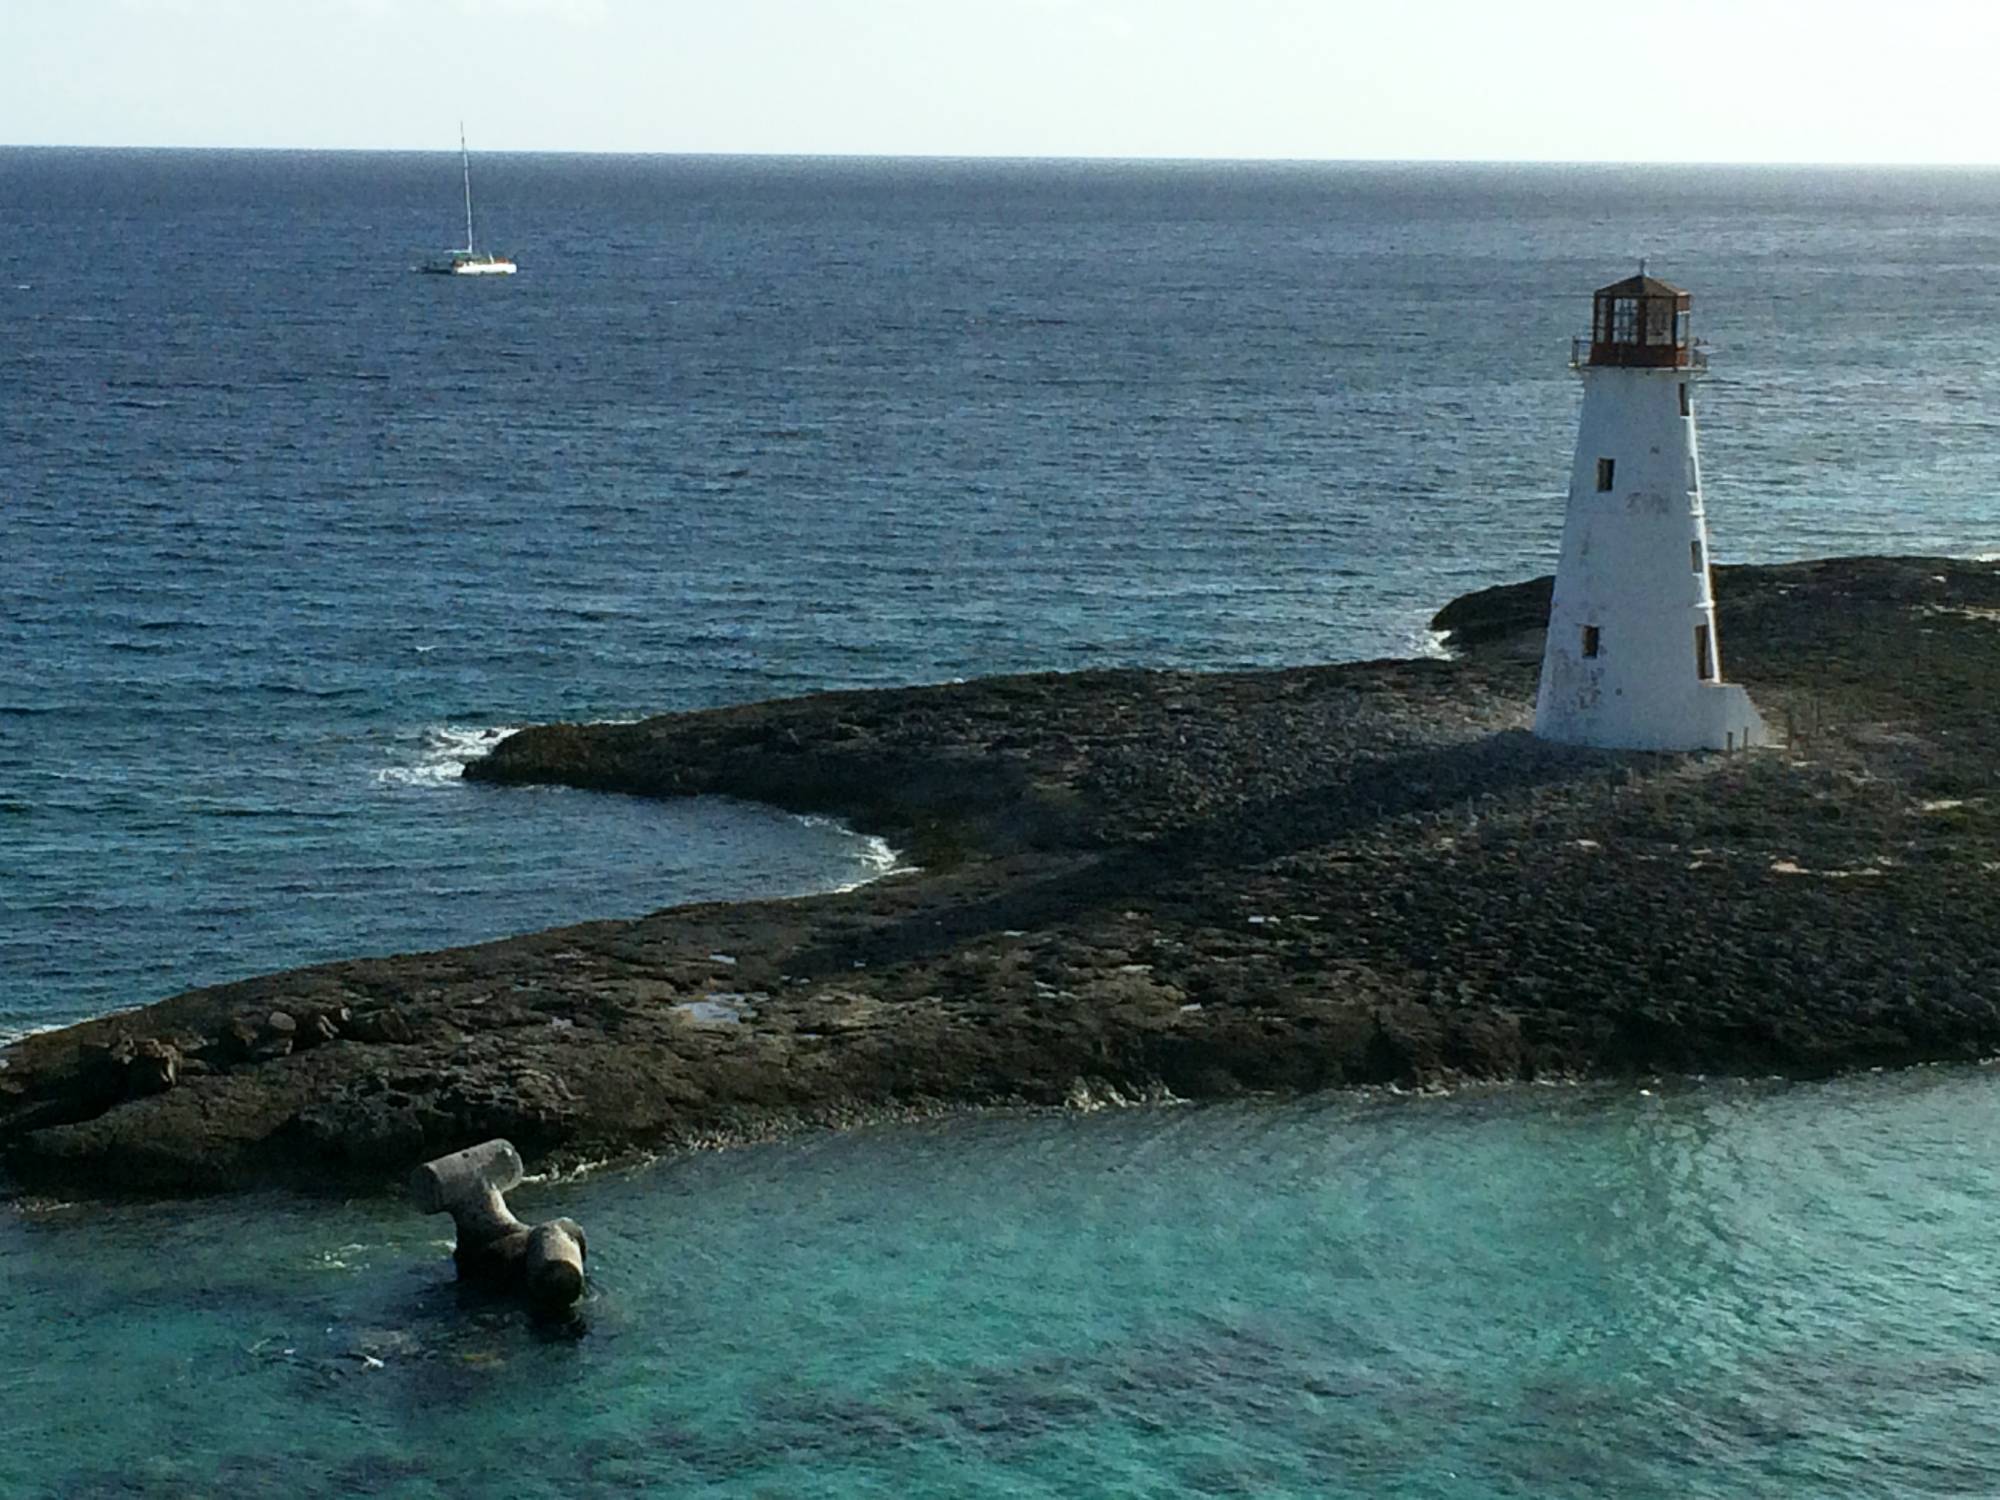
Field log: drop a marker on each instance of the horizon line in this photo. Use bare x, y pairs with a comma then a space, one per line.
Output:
1164, 159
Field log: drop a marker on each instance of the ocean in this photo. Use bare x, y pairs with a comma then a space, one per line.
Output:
288, 532
1698, 1293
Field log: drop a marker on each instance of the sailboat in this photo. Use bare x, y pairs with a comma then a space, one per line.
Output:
470, 262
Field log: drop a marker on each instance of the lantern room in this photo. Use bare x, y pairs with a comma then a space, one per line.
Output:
1643, 322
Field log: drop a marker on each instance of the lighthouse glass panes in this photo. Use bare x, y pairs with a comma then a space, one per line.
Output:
1640, 321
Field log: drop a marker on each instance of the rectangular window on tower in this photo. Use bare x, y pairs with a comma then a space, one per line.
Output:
1687, 410
1605, 468
1704, 658
1694, 555
1592, 637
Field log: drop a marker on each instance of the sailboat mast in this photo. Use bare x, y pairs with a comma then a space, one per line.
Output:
465, 163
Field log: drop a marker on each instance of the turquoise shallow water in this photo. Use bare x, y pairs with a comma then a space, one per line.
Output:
1717, 1290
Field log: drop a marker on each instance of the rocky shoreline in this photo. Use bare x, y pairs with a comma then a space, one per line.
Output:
1138, 884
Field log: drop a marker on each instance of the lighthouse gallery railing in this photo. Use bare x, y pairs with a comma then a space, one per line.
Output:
1579, 354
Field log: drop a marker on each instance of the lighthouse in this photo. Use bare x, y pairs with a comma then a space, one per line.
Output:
1632, 660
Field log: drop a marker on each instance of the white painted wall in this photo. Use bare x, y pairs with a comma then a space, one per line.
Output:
1627, 568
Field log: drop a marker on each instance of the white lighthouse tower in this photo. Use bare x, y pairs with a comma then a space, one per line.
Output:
1632, 661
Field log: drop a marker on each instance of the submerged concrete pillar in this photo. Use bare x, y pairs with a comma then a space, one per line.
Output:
543, 1263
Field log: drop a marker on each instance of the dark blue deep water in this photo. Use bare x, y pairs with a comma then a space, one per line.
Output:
285, 528
287, 532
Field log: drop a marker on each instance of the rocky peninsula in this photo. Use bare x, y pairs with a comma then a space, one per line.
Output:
1149, 884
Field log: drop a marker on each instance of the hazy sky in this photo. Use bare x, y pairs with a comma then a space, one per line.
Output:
1683, 80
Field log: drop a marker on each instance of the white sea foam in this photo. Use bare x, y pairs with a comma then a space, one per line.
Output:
878, 857
1429, 644
10, 1034
439, 756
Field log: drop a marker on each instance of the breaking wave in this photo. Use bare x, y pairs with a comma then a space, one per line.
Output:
439, 755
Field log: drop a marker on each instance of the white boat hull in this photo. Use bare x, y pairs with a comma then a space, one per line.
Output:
476, 265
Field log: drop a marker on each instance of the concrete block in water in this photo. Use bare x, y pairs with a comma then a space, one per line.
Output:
544, 1263
552, 1263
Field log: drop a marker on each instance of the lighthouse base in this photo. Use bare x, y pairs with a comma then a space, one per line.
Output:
1717, 716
